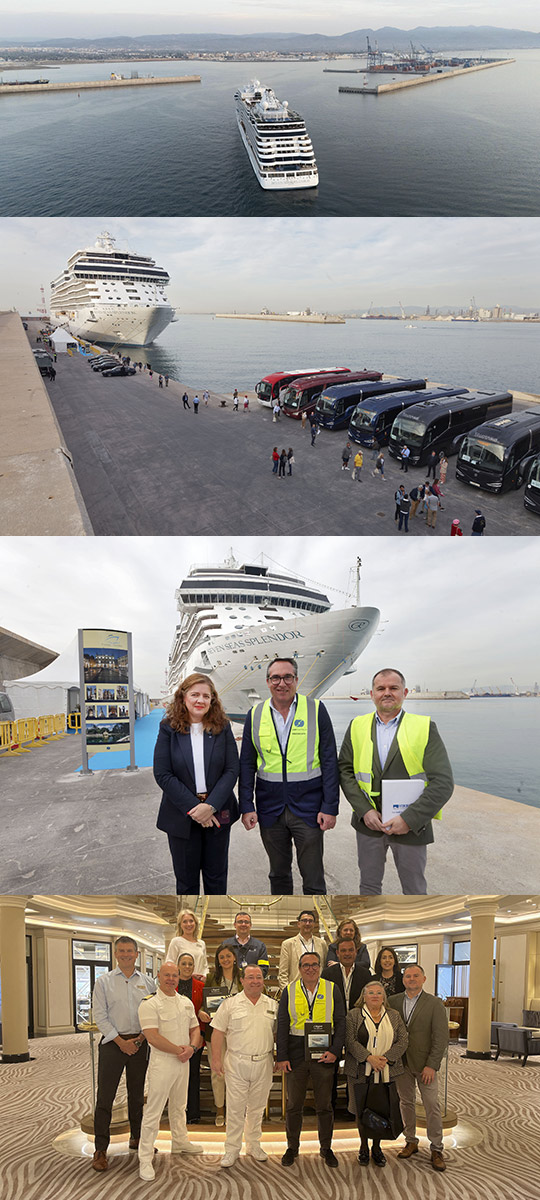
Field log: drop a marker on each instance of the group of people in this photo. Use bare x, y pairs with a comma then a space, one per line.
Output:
280, 461
393, 769
391, 1033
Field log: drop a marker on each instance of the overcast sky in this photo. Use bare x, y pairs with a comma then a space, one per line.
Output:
254, 16
339, 262
451, 611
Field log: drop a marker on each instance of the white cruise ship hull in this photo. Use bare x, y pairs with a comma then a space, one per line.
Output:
278, 181
326, 646
126, 326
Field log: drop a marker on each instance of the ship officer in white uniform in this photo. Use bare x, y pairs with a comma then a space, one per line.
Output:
172, 1031
248, 1021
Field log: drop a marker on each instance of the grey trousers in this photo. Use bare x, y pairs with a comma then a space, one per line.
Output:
410, 865
406, 1086
278, 842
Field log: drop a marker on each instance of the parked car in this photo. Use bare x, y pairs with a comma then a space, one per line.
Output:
123, 370
7, 712
106, 365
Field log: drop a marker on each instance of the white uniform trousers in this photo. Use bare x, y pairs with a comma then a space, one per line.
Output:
168, 1080
248, 1084
406, 1086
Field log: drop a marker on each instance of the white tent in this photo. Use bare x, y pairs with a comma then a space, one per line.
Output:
61, 339
56, 688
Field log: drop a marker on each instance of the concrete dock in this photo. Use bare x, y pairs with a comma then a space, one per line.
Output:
7, 89
302, 318
397, 85
65, 833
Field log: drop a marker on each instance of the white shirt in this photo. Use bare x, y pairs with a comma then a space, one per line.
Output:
197, 747
116, 1000
249, 1027
347, 981
173, 1017
181, 945
283, 724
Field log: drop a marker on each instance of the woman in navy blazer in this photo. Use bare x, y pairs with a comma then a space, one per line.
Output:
196, 765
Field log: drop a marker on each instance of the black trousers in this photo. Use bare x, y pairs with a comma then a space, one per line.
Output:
193, 1107
111, 1063
322, 1077
205, 852
278, 840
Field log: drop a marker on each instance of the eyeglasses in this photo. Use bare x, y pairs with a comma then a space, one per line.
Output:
281, 678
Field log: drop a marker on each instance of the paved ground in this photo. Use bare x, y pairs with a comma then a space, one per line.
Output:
64, 833
145, 465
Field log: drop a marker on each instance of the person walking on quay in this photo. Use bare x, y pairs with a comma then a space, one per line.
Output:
166, 381
443, 466
246, 404
206, 397
405, 455
282, 462
379, 465
404, 509
437, 492
275, 460
314, 427
455, 528
433, 462
185, 400
479, 523
290, 459
150, 372
196, 403
235, 400
171, 1028
247, 1021
375, 448
415, 499
392, 745
303, 418
276, 411
115, 1006
307, 999
432, 505
397, 498
52, 373
160, 381
288, 759
426, 1021
358, 464
345, 456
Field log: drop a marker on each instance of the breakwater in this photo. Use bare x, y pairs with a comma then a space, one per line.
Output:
395, 86
307, 319
14, 89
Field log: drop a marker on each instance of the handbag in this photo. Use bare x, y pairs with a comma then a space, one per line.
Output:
366, 1115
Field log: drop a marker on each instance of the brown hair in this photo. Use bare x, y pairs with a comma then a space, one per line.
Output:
214, 721
357, 939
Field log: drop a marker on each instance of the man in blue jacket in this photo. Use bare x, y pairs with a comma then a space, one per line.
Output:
289, 760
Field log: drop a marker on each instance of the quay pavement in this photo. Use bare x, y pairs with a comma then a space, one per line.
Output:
64, 833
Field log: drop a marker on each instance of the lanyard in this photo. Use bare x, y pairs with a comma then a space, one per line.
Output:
311, 1005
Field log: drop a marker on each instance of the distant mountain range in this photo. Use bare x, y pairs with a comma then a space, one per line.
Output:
438, 37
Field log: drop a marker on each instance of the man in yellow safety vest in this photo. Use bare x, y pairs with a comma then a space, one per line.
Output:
391, 745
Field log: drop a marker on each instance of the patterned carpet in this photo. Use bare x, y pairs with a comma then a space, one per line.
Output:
494, 1153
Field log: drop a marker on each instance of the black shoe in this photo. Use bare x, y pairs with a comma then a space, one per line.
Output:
378, 1156
363, 1156
134, 1143
329, 1157
289, 1157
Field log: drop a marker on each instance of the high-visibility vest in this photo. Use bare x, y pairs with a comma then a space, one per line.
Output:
302, 754
412, 738
323, 1008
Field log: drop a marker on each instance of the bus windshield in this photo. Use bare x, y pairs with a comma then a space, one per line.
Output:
290, 398
406, 430
264, 388
326, 403
488, 455
534, 477
363, 418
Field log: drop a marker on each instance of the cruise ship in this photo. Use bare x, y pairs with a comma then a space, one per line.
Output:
276, 139
235, 619
110, 295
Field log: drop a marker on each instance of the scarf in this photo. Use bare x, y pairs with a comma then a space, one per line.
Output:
380, 1039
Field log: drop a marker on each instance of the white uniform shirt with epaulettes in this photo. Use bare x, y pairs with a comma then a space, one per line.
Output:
173, 1017
249, 1027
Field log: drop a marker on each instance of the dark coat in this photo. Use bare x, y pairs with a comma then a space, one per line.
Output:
361, 976
174, 772
306, 798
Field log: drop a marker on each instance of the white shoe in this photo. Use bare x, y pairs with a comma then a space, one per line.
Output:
220, 1118
258, 1153
228, 1159
188, 1148
146, 1171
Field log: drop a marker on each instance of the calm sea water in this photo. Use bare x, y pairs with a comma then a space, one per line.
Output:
467, 146
478, 735
202, 351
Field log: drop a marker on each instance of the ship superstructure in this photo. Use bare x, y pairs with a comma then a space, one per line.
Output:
276, 139
111, 295
235, 619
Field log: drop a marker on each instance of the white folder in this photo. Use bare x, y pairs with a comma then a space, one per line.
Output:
397, 795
